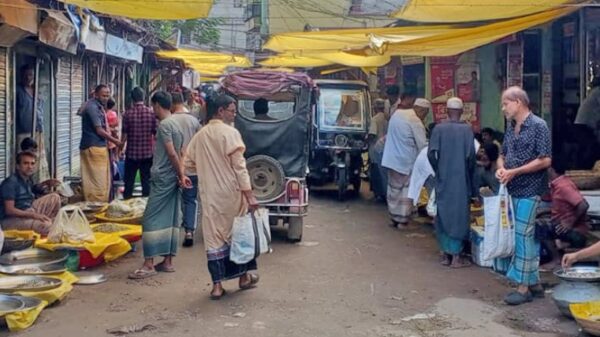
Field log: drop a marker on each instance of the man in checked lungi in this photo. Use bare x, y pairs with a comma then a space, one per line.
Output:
525, 156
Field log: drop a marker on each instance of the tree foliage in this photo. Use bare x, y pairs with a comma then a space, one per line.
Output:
200, 31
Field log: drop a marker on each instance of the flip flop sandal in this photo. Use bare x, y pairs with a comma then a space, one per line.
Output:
163, 269
252, 284
218, 297
140, 274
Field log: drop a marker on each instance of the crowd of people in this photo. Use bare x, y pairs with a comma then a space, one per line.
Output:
181, 144
459, 168
186, 151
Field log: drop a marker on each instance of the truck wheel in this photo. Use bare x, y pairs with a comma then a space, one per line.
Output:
267, 177
294, 233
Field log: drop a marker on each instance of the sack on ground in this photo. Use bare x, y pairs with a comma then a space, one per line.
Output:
432, 205
499, 237
251, 236
71, 226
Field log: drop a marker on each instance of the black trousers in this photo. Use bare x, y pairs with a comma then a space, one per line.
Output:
131, 169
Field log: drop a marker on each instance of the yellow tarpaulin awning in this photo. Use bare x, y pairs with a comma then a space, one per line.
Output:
294, 61
434, 40
320, 59
345, 39
149, 9
203, 56
471, 10
459, 40
207, 62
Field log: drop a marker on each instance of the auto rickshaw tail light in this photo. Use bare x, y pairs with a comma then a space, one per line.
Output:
294, 190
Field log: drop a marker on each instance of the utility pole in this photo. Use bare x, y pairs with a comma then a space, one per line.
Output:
264, 18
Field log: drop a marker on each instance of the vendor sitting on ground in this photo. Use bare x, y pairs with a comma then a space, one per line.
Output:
568, 223
485, 173
19, 209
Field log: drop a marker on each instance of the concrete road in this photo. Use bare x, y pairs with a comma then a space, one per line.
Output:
352, 276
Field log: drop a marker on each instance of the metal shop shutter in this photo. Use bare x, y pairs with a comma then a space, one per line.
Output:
63, 117
77, 98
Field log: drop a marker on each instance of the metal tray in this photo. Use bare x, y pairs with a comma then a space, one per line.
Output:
10, 304
33, 257
28, 283
562, 274
28, 302
12, 244
26, 269
90, 278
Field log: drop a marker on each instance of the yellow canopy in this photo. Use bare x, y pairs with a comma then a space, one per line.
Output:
344, 39
294, 61
458, 40
208, 69
471, 10
208, 57
436, 40
325, 58
149, 9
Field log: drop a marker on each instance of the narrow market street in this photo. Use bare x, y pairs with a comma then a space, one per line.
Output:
351, 276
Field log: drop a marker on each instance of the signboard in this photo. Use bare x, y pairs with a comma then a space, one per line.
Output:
468, 87
514, 73
450, 78
442, 82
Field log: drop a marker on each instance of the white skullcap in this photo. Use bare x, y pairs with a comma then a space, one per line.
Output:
423, 103
454, 103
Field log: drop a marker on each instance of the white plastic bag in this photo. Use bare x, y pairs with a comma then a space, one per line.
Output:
71, 226
499, 235
251, 236
431, 205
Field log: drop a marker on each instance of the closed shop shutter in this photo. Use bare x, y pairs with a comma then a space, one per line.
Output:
77, 97
63, 117
3, 109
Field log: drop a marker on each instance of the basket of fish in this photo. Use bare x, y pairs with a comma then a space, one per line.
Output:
131, 233
124, 212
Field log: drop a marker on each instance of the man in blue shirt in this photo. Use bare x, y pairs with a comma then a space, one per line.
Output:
19, 209
95, 161
526, 154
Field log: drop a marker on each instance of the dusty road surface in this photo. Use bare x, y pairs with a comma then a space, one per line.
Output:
352, 276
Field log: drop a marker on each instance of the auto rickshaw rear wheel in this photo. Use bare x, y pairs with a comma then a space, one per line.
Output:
295, 225
267, 177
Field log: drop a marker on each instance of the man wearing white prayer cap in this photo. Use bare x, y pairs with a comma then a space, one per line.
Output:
405, 139
452, 156
421, 108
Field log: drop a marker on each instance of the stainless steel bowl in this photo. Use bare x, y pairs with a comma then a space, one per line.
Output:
579, 274
87, 278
